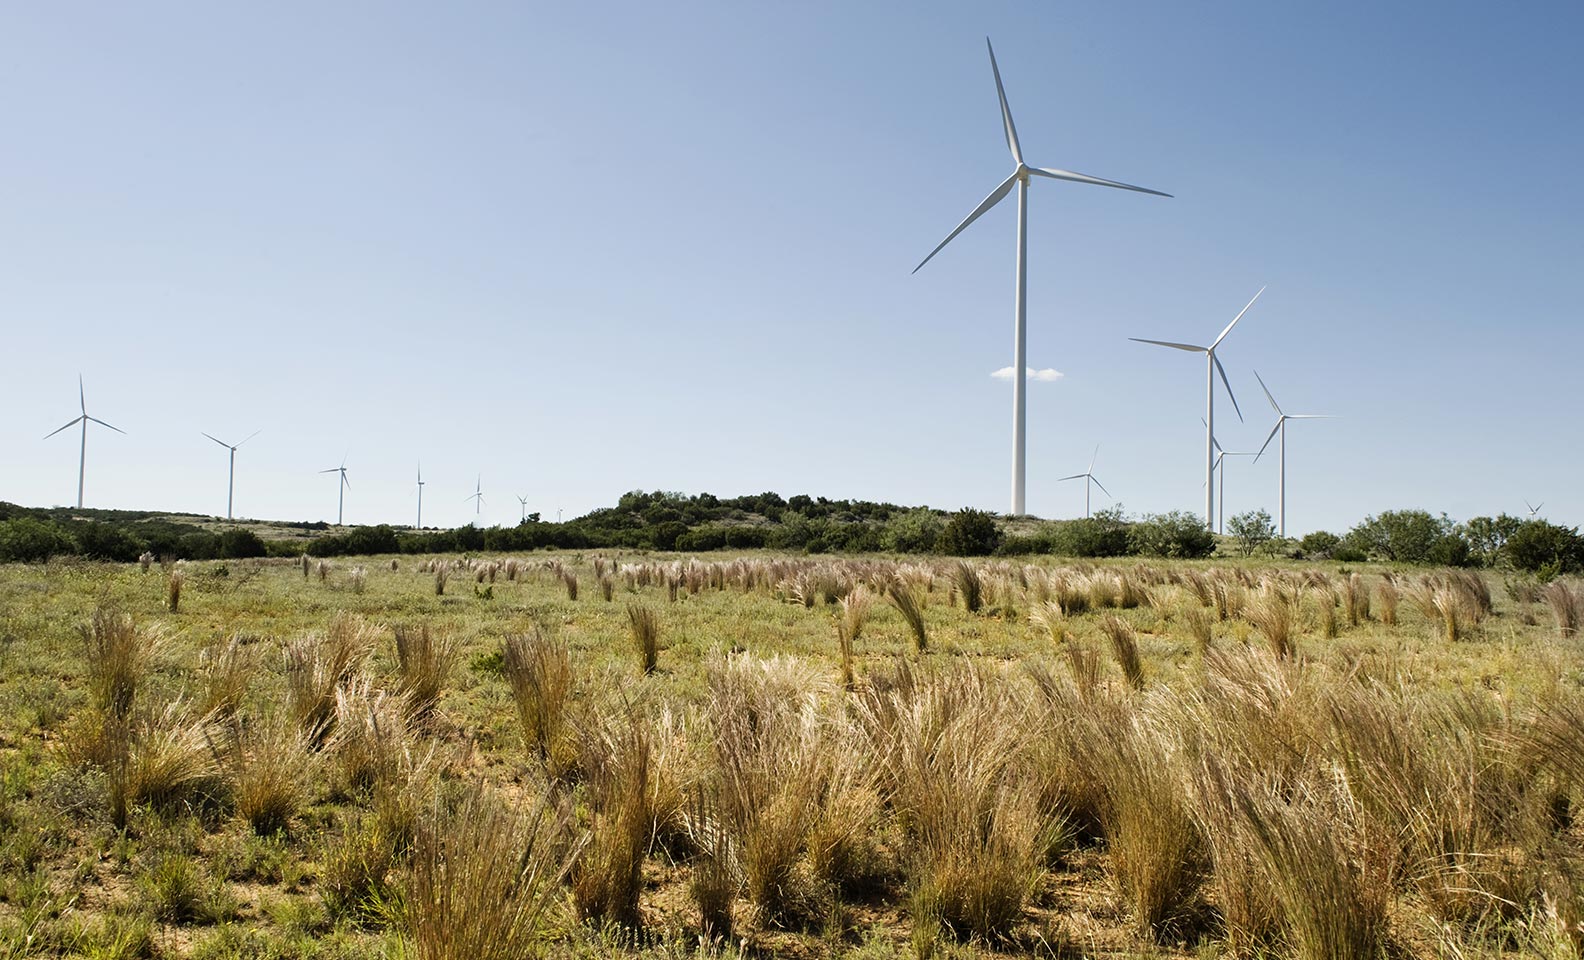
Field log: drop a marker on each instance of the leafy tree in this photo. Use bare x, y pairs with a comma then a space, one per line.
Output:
912, 532
1541, 545
28, 540
969, 533
1319, 545
1488, 535
1174, 534
1252, 530
1103, 535
1404, 535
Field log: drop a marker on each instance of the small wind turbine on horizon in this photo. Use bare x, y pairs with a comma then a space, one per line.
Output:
524, 502
1281, 427
1534, 509
342, 488
1220, 464
477, 496
420, 496
1213, 366
1088, 477
82, 456
231, 481
1020, 176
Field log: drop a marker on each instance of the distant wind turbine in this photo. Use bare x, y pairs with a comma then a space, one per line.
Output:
420, 496
1088, 477
82, 457
1534, 509
1213, 366
1020, 176
1281, 427
231, 481
345, 483
477, 496
524, 502
1220, 464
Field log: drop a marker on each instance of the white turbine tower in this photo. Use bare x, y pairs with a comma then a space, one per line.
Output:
420, 496
1281, 427
345, 483
477, 496
1088, 477
82, 456
1213, 366
1020, 176
231, 481
524, 502
1220, 464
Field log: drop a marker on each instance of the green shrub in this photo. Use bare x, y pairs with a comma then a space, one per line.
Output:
1176, 534
237, 544
969, 533
26, 540
1539, 544
1103, 535
1318, 545
1252, 530
1407, 536
912, 532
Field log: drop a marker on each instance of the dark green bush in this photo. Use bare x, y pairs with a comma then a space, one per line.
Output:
1175, 534
27, 540
1318, 545
1404, 535
969, 533
1539, 544
1103, 535
103, 541
239, 544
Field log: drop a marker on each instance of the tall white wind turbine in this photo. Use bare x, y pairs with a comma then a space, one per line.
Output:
82, 456
231, 481
477, 496
1212, 366
1281, 427
1020, 176
420, 496
341, 497
524, 502
1088, 477
1220, 465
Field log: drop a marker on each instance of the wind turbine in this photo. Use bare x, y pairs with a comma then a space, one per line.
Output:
1212, 367
524, 502
1220, 464
1534, 509
1088, 477
1281, 427
420, 496
477, 496
231, 482
341, 498
1020, 176
82, 457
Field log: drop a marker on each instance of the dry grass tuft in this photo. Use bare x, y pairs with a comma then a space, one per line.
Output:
1272, 611
969, 585
268, 763
173, 588
644, 627
226, 670
119, 655
607, 876
849, 626
901, 596
482, 881
538, 666
423, 664
1201, 626
1566, 605
1124, 647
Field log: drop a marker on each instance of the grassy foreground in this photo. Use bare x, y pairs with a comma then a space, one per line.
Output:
597, 755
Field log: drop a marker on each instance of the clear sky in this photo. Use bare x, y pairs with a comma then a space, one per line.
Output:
586, 248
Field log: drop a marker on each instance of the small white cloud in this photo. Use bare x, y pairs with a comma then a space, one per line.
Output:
1047, 375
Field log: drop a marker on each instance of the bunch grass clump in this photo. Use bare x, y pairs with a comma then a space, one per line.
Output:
268, 763
1272, 612
538, 667
119, 654
424, 661
902, 598
969, 585
1124, 647
644, 626
1567, 606
173, 588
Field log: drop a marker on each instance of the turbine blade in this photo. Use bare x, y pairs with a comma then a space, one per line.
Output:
1235, 320
217, 440
331, 470
1310, 416
1227, 384
1006, 111
345, 480
250, 437
1093, 457
1076, 476
1268, 394
1101, 486
103, 424
82, 399
990, 201
1055, 174
1268, 440
1167, 343
74, 423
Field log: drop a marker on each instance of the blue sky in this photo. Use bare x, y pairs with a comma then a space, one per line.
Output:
582, 249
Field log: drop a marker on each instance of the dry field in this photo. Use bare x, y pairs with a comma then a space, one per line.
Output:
623, 755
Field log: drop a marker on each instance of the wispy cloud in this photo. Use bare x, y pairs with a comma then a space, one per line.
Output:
1047, 375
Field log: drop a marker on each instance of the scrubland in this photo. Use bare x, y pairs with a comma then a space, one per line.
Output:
576, 755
